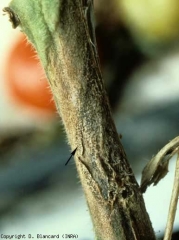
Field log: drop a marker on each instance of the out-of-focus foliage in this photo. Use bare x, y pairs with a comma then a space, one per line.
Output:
153, 22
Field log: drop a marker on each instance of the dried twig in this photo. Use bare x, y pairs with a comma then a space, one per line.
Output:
157, 168
173, 203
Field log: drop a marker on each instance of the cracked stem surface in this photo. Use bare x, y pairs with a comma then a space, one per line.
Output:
62, 35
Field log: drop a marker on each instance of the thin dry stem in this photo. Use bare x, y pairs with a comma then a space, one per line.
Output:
173, 204
157, 167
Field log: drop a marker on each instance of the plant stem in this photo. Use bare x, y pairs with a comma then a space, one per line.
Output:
63, 36
173, 203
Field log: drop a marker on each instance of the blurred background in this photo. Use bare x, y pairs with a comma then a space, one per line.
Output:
138, 44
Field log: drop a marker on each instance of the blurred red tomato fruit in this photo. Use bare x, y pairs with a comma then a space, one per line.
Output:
26, 78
